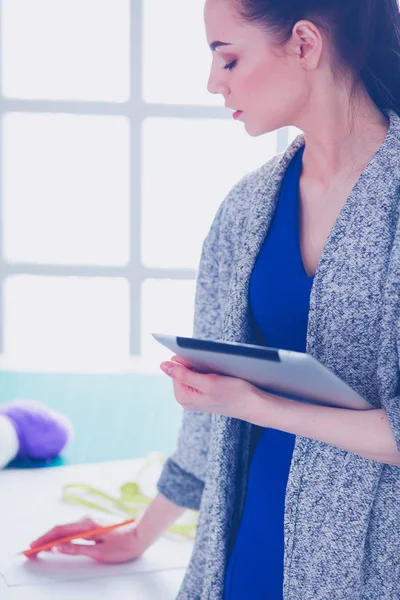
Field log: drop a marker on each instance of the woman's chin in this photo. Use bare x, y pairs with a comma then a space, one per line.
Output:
255, 131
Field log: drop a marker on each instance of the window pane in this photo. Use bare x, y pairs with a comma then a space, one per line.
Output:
66, 49
167, 307
66, 320
196, 162
176, 57
66, 189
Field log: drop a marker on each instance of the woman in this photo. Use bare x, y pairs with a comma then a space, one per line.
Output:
296, 501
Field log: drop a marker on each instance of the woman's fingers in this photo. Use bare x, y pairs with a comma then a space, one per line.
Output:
61, 531
181, 360
116, 546
93, 551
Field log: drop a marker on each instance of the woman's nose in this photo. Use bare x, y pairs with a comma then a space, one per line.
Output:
216, 84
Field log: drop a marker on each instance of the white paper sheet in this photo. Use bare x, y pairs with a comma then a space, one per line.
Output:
163, 585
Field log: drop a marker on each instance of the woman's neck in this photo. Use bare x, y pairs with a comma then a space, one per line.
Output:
342, 134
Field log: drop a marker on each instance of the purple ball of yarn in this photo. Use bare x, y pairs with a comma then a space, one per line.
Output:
42, 432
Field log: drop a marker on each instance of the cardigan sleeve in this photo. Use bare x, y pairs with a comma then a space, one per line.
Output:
392, 408
392, 405
183, 476
392, 297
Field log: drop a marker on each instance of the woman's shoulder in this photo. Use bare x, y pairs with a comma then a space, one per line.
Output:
244, 188
236, 208
242, 202
230, 222
238, 200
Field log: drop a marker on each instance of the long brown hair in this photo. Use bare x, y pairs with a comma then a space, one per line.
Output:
365, 35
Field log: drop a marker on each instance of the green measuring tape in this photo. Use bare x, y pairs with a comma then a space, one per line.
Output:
131, 502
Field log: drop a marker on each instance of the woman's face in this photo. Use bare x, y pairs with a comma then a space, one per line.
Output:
263, 80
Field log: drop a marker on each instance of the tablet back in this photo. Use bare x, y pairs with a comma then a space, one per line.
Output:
294, 375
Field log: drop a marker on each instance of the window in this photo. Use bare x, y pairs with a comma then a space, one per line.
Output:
111, 175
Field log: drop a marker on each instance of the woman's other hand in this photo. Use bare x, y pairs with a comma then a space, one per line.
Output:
117, 546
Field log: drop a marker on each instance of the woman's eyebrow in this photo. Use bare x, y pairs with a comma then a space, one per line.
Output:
215, 45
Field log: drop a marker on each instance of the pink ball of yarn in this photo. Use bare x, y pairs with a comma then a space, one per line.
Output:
42, 432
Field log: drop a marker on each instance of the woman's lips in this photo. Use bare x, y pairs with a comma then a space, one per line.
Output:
237, 114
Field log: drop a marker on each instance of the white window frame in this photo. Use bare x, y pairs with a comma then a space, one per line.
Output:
136, 110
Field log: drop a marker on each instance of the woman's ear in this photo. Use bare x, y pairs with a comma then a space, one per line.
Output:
306, 44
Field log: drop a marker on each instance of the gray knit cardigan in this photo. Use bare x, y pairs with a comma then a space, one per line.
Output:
342, 511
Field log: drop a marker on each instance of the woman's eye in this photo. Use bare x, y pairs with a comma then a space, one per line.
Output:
230, 66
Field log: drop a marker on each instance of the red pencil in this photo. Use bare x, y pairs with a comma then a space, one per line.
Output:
76, 536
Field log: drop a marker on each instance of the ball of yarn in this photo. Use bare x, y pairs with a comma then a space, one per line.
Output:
42, 432
9, 443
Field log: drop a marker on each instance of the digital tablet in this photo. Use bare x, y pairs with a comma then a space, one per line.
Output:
294, 375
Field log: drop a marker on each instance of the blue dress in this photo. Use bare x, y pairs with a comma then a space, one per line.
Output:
279, 297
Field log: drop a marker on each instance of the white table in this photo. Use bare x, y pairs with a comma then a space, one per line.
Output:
30, 504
